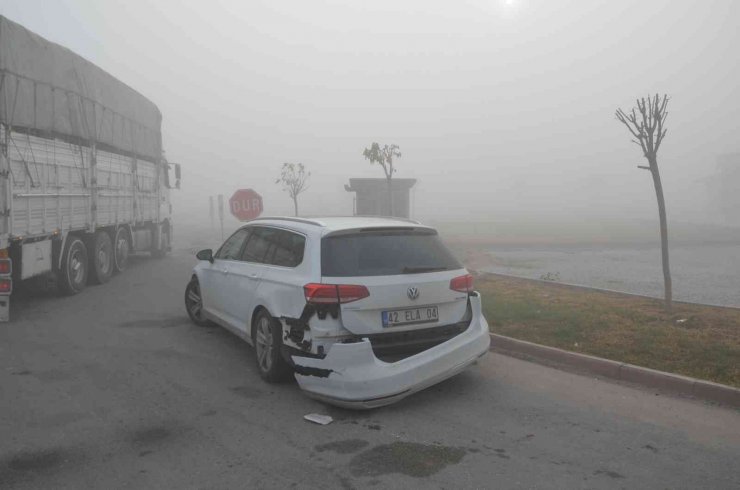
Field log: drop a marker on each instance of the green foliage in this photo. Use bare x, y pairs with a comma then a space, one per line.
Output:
383, 156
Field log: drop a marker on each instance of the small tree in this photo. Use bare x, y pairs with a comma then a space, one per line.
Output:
646, 123
384, 157
294, 180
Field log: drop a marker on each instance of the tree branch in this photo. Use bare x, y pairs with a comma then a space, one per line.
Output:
646, 123
623, 118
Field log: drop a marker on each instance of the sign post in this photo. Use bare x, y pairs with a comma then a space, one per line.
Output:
221, 213
245, 204
211, 212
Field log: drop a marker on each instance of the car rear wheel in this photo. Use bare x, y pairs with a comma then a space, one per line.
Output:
194, 303
267, 337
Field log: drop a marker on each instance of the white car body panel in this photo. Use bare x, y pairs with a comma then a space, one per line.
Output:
363, 317
358, 379
238, 290
349, 374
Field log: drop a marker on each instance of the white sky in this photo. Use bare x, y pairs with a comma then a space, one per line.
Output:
502, 111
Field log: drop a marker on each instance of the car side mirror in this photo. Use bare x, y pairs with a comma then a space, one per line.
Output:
206, 254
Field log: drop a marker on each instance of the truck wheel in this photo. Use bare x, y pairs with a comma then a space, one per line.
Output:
72, 276
121, 249
267, 339
101, 258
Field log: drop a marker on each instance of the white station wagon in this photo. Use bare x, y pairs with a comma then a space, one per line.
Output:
363, 311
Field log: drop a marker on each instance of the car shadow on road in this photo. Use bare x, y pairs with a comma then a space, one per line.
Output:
462, 388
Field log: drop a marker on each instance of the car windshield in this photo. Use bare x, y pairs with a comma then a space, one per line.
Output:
370, 253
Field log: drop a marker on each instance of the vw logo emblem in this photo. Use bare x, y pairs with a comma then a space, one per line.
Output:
412, 293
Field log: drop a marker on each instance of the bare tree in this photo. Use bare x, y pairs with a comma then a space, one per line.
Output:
384, 157
294, 179
646, 123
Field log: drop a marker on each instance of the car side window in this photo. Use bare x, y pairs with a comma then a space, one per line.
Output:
274, 247
287, 249
258, 245
232, 247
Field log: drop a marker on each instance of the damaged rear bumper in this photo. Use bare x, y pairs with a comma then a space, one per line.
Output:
352, 376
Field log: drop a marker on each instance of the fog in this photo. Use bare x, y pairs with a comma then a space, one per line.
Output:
504, 110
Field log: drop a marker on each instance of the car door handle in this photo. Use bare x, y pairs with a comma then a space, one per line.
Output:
225, 271
253, 275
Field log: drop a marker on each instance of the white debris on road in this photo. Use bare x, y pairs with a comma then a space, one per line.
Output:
318, 418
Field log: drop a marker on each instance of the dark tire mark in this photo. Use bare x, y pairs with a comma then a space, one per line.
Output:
609, 473
501, 453
650, 448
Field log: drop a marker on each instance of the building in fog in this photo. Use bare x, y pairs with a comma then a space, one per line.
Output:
724, 188
372, 197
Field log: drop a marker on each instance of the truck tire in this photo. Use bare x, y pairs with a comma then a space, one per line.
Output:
121, 249
72, 275
101, 258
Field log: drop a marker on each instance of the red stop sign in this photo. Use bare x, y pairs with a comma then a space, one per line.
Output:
245, 204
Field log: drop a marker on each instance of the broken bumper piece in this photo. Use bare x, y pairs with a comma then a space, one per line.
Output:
351, 376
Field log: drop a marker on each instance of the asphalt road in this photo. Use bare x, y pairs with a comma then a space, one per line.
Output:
115, 388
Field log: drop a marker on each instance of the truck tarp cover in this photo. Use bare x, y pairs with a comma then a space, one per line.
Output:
49, 89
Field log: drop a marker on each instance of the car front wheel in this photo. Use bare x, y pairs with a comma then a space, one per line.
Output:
194, 303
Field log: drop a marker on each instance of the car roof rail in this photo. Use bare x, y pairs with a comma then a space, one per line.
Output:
395, 218
294, 220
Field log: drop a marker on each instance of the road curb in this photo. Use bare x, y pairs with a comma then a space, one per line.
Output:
650, 378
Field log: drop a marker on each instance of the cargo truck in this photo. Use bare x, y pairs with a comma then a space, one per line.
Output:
83, 178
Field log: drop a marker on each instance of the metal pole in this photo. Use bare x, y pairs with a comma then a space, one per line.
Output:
221, 213
211, 212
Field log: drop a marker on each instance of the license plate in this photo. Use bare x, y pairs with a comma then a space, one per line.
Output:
408, 316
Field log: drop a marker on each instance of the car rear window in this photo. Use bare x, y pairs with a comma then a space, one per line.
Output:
384, 253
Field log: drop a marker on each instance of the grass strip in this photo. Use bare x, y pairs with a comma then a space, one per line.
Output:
697, 341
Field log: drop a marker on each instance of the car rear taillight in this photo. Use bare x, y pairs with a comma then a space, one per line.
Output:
5, 265
464, 284
334, 293
6, 285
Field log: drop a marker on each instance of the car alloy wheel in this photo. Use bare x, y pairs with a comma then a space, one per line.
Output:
264, 344
194, 303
